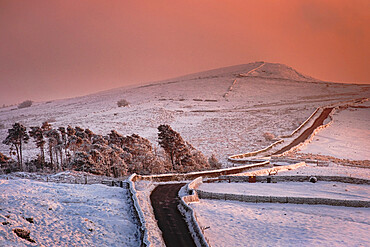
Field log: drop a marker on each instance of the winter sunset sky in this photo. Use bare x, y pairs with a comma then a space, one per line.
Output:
65, 48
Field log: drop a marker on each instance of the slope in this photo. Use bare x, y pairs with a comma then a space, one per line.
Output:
271, 98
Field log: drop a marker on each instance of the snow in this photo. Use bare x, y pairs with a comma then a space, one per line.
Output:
329, 169
274, 99
332, 190
229, 223
347, 138
75, 177
143, 191
66, 214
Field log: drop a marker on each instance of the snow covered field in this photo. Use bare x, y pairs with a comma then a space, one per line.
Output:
274, 98
332, 190
330, 169
347, 138
66, 214
261, 224
249, 224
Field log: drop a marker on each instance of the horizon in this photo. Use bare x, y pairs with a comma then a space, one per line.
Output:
134, 85
57, 50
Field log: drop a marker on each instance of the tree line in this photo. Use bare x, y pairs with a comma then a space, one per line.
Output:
75, 148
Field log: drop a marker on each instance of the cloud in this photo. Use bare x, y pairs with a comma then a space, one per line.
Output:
65, 48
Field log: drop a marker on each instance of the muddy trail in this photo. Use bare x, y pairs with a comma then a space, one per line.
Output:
307, 133
164, 199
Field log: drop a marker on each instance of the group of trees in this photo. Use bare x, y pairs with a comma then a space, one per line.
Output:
111, 155
183, 156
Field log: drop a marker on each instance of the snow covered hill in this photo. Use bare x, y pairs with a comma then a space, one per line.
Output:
223, 111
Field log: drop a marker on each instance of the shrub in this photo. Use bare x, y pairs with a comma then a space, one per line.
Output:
7, 165
3, 158
122, 103
24, 104
269, 136
213, 162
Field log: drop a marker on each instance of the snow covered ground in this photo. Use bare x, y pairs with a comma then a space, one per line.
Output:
66, 214
330, 169
347, 138
69, 177
249, 224
215, 118
229, 223
144, 189
332, 190
274, 98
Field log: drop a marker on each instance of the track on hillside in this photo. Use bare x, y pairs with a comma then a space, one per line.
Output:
308, 132
165, 200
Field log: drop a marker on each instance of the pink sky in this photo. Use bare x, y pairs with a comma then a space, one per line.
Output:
64, 48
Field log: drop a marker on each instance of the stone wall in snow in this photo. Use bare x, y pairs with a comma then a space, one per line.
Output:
303, 124
188, 195
240, 157
298, 178
138, 213
272, 171
281, 199
194, 175
244, 156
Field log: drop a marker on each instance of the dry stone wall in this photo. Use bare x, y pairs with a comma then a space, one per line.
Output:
244, 156
187, 195
279, 179
311, 137
190, 197
194, 175
239, 157
278, 199
138, 213
303, 124
273, 170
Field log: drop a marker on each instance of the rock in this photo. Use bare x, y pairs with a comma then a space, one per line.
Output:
313, 179
23, 233
30, 219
